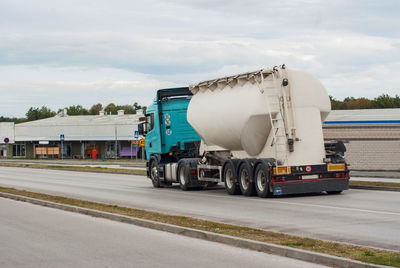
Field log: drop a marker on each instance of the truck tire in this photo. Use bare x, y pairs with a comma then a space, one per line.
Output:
183, 176
154, 174
261, 180
246, 180
229, 177
334, 192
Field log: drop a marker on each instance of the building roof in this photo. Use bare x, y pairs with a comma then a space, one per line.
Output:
78, 120
364, 116
79, 128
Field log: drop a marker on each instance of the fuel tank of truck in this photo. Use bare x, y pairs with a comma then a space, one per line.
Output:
237, 112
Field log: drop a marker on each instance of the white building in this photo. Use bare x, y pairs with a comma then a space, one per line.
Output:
371, 136
109, 135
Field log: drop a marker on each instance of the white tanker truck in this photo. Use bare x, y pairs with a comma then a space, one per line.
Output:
258, 133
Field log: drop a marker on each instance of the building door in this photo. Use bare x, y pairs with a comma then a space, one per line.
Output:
3, 151
19, 149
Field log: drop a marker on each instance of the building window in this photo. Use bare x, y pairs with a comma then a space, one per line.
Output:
19, 149
110, 149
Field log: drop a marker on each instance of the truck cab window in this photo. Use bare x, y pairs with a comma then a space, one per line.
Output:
149, 122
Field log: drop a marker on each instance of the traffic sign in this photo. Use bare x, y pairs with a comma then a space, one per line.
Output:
62, 137
6, 140
136, 135
141, 142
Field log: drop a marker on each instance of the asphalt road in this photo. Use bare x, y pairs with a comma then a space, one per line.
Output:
363, 217
35, 236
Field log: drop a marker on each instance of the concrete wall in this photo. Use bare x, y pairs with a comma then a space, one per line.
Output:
29, 151
369, 147
373, 155
6, 131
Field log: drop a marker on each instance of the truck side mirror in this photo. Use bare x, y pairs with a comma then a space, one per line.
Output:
142, 129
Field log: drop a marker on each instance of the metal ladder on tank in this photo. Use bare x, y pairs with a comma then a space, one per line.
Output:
287, 113
277, 125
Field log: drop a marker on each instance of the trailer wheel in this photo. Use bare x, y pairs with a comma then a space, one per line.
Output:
183, 177
229, 176
154, 174
246, 181
261, 181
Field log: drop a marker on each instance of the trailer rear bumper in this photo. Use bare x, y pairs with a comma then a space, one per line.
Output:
315, 186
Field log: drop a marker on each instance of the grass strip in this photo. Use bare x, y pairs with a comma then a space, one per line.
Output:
364, 254
78, 168
375, 183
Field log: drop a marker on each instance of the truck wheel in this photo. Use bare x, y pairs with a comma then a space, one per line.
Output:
334, 192
154, 174
183, 177
229, 176
261, 181
246, 181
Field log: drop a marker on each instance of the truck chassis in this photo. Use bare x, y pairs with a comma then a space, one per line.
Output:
250, 176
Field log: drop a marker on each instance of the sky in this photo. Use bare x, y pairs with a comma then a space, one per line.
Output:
69, 52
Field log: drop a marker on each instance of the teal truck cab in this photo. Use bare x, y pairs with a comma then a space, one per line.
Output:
169, 136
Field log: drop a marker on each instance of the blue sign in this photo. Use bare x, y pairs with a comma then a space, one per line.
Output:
62, 137
136, 135
6, 140
278, 190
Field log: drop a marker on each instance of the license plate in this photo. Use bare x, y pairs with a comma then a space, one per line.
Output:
310, 177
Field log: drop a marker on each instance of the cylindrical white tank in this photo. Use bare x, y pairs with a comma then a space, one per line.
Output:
235, 112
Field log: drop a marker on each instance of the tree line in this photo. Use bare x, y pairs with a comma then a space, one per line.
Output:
36, 113
350, 103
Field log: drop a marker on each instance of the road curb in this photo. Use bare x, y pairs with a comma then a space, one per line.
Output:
294, 253
376, 188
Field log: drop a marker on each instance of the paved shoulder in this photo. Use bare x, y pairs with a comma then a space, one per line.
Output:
43, 237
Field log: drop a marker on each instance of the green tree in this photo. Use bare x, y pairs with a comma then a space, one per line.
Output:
111, 108
336, 104
32, 114
95, 109
39, 113
128, 109
77, 110
385, 101
12, 119
382, 101
136, 106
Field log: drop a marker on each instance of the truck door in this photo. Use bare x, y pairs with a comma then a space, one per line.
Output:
152, 142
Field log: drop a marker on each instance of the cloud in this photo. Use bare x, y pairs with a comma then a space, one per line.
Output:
73, 52
58, 88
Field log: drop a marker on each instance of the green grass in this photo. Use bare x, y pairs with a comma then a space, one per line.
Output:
375, 183
364, 254
77, 168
